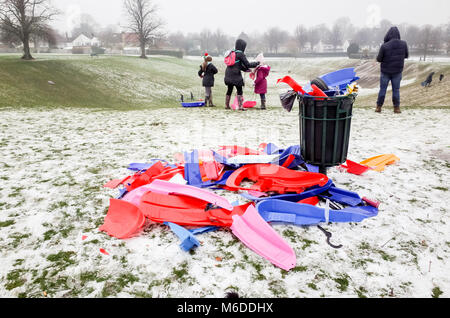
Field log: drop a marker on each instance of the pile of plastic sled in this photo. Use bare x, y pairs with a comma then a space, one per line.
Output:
339, 83
277, 184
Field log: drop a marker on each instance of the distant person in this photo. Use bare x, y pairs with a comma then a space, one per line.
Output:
207, 72
428, 81
260, 74
236, 63
392, 57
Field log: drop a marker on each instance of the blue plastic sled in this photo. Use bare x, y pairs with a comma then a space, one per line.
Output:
192, 170
305, 214
188, 240
342, 196
193, 104
340, 78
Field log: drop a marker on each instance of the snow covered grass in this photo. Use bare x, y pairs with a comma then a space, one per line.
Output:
53, 163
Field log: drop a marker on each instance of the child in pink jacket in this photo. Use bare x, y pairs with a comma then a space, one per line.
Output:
261, 72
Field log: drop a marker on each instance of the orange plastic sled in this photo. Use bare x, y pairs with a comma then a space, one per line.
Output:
379, 163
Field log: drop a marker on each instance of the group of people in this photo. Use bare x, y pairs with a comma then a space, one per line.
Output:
392, 57
233, 77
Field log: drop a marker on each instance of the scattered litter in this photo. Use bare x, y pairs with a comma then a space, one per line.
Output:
284, 191
103, 251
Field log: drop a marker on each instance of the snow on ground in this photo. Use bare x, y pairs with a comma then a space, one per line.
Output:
55, 161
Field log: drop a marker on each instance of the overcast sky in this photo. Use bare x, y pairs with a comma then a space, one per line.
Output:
249, 16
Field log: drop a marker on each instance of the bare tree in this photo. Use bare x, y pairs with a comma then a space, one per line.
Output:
25, 18
315, 35
220, 40
411, 35
87, 26
109, 36
144, 22
447, 37
336, 36
425, 38
301, 36
275, 37
206, 40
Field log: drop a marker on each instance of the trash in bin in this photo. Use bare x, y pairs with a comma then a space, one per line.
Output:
340, 79
325, 125
288, 99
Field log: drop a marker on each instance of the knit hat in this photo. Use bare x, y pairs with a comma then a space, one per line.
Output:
207, 57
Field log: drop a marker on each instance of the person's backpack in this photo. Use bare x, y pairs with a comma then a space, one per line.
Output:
230, 58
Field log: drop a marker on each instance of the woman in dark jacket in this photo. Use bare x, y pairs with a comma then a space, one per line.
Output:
233, 76
392, 57
207, 72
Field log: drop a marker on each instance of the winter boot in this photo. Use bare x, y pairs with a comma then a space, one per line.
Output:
211, 104
378, 110
263, 104
397, 110
227, 102
241, 102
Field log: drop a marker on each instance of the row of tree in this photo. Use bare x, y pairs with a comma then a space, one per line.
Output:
22, 21
423, 39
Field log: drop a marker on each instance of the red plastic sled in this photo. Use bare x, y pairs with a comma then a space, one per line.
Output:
274, 178
123, 219
186, 211
292, 83
355, 168
317, 92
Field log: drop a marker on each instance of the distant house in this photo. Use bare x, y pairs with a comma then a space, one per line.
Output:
84, 41
83, 44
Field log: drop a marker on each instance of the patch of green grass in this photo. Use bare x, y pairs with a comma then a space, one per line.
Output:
112, 288
299, 269
49, 234
15, 279
361, 262
51, 282
342, 282
385, 256
292, 235
361, 292
62, 259
17, 238
91, 276
7, 223
277, 289
126, 279
181, 273
436, 292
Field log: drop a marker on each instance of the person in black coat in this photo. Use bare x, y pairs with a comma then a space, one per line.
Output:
392, 57
233, 76
207, 72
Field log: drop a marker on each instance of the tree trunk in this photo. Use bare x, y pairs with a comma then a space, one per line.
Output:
26, 48
143, 55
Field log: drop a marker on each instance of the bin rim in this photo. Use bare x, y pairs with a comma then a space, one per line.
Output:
353, 95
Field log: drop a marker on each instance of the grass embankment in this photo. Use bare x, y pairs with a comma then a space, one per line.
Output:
118, 82
413, 95
105, 82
